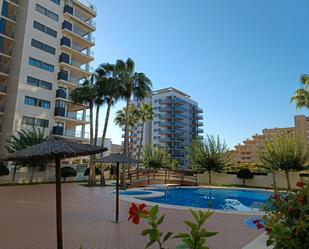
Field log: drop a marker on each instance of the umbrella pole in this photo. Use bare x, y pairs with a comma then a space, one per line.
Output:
58, 204
117, 193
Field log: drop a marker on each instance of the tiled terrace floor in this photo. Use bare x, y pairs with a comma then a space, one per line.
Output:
27, 221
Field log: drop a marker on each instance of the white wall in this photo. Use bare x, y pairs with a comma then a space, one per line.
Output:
257, 181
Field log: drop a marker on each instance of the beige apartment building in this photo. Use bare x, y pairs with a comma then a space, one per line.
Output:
45, 52
247, 151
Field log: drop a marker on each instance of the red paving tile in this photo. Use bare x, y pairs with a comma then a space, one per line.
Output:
28, 221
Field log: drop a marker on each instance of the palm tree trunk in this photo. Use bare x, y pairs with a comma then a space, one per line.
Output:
14, 174
103, 138
96, 127
209, 177
92, 166
126, 143
32, 172
102, 179
140, 144
287, 179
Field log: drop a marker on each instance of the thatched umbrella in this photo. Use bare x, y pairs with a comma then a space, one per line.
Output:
117, 158
55, 148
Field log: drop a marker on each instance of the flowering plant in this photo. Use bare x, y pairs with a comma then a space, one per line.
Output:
287, 219
195, 238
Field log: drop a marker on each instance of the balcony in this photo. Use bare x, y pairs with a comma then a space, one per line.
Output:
1, 109
198, 123
200, 130
172, 109
78, 33
3, 89
171, 140
171, 124
4, 69
6, 52
198, 110
61, 93
73, 14
171, 132
8, 11
75, 65
198, 117
87, 5
70, 133
15, 2
61, 112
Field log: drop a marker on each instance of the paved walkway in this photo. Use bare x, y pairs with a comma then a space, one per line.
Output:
28, 221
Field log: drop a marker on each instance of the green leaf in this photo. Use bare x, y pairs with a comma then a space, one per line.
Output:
153, 211
167, 236
154, 234
190, 224
182, 246
161, 219
181, 236
194, 214
150, 243
145, 232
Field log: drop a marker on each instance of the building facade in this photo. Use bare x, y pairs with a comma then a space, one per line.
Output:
45, 52
247, 152
176, 122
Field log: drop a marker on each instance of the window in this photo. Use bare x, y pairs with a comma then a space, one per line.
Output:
39, 83
56, 1
28, 120
30, 101
46, 12
37, 102
43, 46
44, 29
41, 64
42, 123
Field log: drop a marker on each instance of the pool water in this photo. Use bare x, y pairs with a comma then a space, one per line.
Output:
223, 199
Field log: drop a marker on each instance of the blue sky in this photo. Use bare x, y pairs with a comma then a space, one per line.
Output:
241, 60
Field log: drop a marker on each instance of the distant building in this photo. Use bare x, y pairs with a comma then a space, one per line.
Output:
177, 121
248, 151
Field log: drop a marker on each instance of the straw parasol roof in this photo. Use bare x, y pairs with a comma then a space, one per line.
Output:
117, 158
55, 147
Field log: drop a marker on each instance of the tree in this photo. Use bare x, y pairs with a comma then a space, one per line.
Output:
155, 157
68, 172
301, 95
133, 84
208, 155
24, 139
145, 115
88, 93
4, 171
97, 171
284, 151
244, 174
120, 120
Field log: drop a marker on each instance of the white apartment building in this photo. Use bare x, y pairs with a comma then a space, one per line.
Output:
177, 121
45, 52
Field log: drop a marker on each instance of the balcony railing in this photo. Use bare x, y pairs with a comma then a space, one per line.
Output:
85, 67
14, 1
83, 34
3, 88
6, 33
172, 109
1, 108
173, 124
171, 140
7, 51
88, 5
77, 116
85, 51
171, 132
75, 134
4, 68
200, 130
84, 19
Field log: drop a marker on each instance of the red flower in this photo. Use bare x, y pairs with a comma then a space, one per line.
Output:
268, 230
300, 184
290, 210
135, 211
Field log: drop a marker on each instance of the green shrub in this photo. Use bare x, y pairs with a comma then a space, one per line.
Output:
287, 219
4, 171
68, 172
97, 172
244, 174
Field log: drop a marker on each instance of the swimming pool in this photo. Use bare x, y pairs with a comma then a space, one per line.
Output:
214, 198
128, 192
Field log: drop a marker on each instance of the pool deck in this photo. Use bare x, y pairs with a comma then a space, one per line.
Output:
28, 221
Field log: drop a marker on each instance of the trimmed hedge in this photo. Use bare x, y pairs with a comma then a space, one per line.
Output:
97, 172
4, 171
68, 172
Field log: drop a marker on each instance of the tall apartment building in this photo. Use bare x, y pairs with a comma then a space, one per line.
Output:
248, 151
45, 52
177, 121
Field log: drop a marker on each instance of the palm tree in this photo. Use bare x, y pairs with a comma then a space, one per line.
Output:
87, 92
133, 84
146, 115
24, 139
209, 155
301, 95
120, 120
